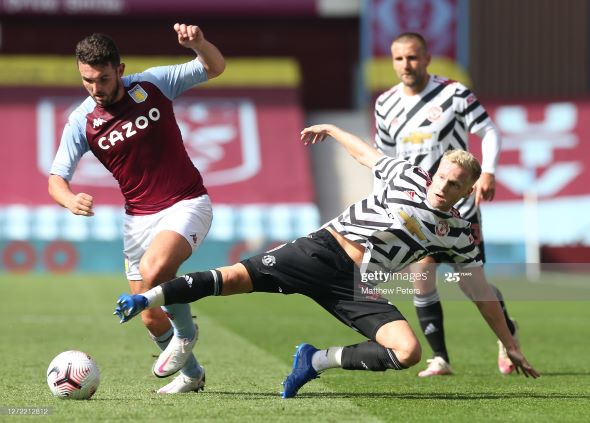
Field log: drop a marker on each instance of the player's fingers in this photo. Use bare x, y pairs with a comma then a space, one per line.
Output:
182, 31
193, 32
85, 203
531, 371
190, 32
306, 138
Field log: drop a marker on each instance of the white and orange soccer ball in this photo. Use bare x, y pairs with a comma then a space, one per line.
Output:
73, 375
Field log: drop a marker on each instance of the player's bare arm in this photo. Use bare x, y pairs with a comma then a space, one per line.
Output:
80, 203
361, 151
191, 36
485, 188
481, 293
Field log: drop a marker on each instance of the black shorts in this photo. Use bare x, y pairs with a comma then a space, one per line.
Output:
317, 267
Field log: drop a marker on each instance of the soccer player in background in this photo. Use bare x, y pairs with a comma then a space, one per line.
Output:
419, 119
128, 123
409, 217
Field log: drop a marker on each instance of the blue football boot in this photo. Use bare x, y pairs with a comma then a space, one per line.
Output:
302, 371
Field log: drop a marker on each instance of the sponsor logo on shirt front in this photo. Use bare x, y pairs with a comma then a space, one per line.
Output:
416, 137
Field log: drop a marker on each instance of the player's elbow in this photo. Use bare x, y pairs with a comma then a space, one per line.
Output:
213, 71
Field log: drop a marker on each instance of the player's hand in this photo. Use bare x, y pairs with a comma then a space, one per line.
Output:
81, 204
129, 306
485, 188
315, 133
189, 36
521, 364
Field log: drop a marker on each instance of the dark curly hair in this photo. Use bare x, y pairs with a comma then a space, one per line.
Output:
97, 49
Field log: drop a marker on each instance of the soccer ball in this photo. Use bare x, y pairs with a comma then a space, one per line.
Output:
73, 375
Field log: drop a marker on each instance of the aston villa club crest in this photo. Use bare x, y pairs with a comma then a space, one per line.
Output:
442, 228
138, 94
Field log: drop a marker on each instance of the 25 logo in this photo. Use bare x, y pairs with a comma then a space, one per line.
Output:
452, 277
455, 276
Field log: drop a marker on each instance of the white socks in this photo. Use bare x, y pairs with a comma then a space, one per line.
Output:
327, 359
155, 297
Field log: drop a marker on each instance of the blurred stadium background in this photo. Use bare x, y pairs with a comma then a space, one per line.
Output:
292, 63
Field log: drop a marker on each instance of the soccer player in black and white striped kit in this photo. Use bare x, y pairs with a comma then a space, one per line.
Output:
419, 119
410, 217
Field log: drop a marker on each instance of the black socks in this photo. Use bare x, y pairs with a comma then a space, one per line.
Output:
192, 287
369, 355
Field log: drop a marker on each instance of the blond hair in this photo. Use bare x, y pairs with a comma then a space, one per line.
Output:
466, 160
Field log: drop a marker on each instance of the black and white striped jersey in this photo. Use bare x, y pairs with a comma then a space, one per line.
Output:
420, 128
397, 225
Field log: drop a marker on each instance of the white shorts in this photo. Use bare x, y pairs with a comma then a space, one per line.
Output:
190, 218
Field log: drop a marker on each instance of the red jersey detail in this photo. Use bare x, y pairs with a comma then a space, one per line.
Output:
138, 140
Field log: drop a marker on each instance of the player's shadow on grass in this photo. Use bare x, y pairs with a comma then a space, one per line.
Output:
565, 374
442, 396
407, 395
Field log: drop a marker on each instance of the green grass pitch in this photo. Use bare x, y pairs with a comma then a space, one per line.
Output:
246, 345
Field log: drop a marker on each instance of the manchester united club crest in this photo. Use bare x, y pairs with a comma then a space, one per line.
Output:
269, 260
442, 228
434, 113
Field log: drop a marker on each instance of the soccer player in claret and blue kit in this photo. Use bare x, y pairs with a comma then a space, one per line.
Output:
128, 123
392, 227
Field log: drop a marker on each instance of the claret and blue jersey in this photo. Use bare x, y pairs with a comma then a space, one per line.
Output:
137, 139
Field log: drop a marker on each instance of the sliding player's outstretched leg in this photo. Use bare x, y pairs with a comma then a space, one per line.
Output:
401, 352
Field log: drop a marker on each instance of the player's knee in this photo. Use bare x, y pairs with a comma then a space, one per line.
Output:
154, 271
409, 352
236, 279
